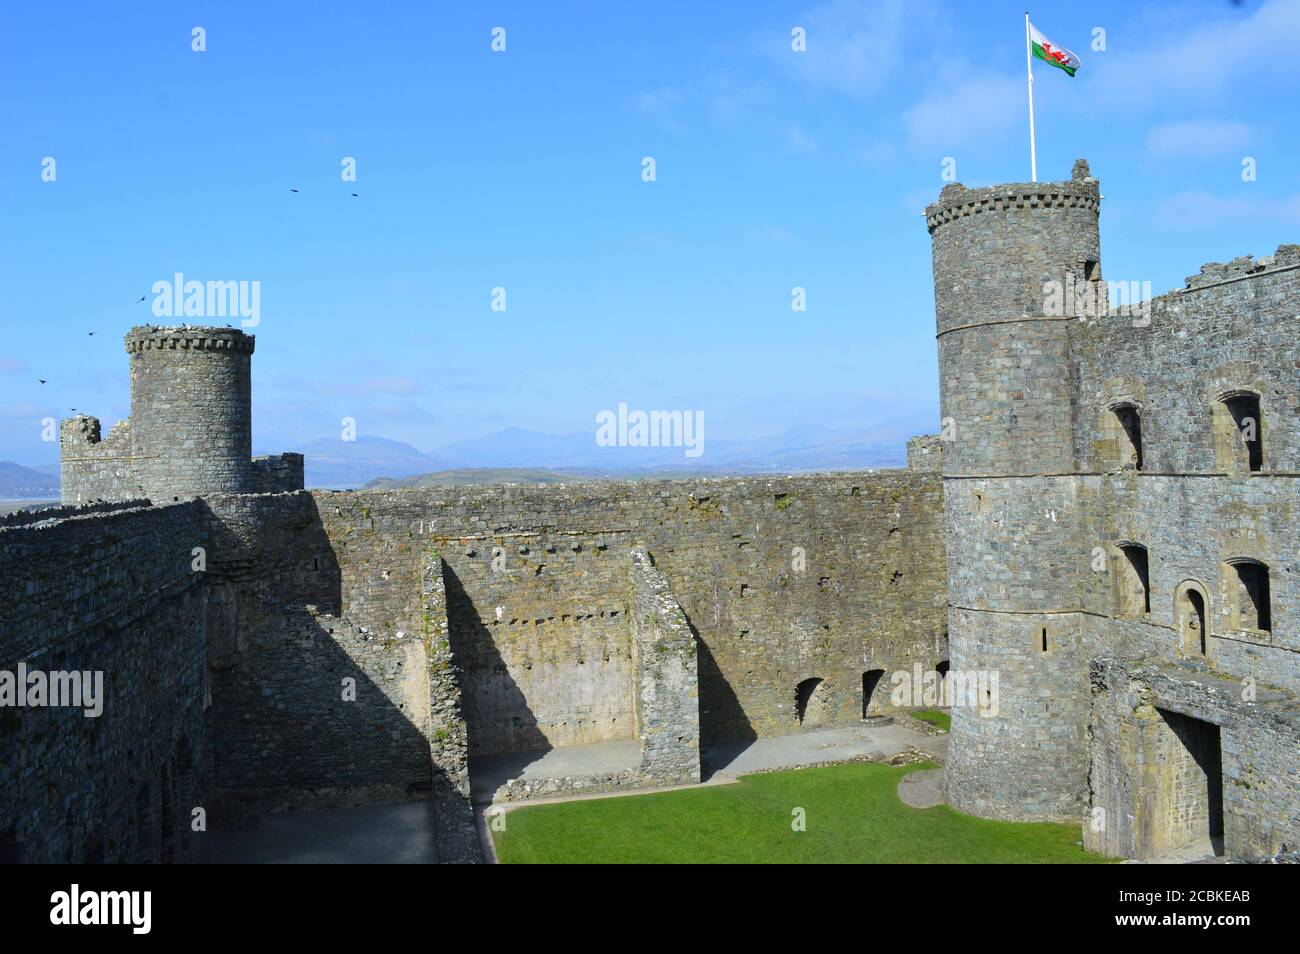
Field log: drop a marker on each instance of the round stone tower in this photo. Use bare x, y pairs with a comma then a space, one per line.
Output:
1008, 261
191, 410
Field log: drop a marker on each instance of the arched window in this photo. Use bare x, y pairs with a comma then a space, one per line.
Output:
1251, 606
1191, 615
1238, 433
807, 701
1134, 581
1123, 435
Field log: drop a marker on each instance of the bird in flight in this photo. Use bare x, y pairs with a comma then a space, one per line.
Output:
141, 298
293, 190
42, 380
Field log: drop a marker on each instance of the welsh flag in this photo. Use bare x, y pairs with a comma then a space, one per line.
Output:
1049, 52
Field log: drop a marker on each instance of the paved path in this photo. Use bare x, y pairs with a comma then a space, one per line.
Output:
728, 762
1200, 852
488, 773
922, 789
377, 834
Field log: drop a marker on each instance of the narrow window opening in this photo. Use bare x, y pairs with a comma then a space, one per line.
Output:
1128, 426
1191, 618
1245, 415
1044, 639
1239, 433
1091, 270
1135, 585
1254, 610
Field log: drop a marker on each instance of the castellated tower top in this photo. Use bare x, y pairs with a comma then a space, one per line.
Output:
187, 337
190, 429
998, 251
1080, 191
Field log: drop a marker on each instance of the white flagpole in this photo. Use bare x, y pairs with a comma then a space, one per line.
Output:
1029, 67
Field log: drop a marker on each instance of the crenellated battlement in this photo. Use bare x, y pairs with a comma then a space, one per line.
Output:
1244, 266
188, 337
956, 201
190, 429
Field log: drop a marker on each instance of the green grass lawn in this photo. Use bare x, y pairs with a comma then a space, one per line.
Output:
853, 814
933, 716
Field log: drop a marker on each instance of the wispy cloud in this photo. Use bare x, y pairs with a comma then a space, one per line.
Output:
1199, 138
358, 387
1198, 209
798, 140
1210, 60
12, 365
853, 46
971, 110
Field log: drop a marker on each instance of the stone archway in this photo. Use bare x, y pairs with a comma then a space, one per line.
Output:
810, 702
1192, 617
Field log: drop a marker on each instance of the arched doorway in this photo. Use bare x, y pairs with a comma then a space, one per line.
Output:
809, 701
870, 680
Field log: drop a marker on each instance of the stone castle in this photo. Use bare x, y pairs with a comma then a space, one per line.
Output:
1106, 523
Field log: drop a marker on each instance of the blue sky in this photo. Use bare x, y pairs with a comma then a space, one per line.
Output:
522, 170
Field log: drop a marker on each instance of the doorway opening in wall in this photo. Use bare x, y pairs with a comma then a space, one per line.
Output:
808, 701
870, 680
1189, 806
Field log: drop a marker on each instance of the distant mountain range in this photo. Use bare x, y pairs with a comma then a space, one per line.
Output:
523, 456
534, 456
21, 483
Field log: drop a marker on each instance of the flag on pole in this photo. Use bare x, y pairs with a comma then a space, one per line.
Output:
1051, 53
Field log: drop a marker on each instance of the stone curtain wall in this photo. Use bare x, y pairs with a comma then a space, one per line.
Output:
91, 468
113, 592
283, 734
925, 452
666, 679
782, 580
448, 737
1232, 328
543, 634
277, 474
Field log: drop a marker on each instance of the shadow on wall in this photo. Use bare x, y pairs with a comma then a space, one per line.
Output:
309, 711
722, 717
497, 715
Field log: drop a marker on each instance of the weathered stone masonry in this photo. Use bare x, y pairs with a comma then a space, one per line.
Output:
109, 591
351, 648
1116, 550
1107, 531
